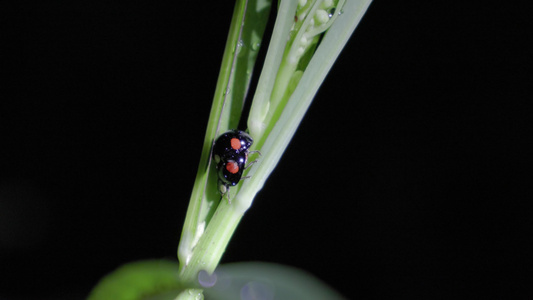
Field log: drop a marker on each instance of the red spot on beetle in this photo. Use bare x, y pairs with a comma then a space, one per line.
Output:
232, 167
235, 144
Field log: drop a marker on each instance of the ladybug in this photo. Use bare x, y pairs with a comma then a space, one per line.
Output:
230, 153
231, 143
230, 172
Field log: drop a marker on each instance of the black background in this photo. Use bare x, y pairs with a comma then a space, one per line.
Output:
402, 181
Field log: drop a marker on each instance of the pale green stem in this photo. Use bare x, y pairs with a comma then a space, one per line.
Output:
261, 104
211, 246
190, 294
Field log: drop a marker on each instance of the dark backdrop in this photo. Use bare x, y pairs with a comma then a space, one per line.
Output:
402, 180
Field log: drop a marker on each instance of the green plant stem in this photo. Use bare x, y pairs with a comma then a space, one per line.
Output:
243, 43
211, 246
202, 207
190, 294
261, 103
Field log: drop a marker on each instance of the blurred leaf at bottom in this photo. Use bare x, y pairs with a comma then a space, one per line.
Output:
158, 280
264, 281
142, 280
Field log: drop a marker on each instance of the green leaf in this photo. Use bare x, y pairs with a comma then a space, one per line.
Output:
142, 280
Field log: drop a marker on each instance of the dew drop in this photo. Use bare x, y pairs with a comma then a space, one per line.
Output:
331, 12
207, 280
238, 48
